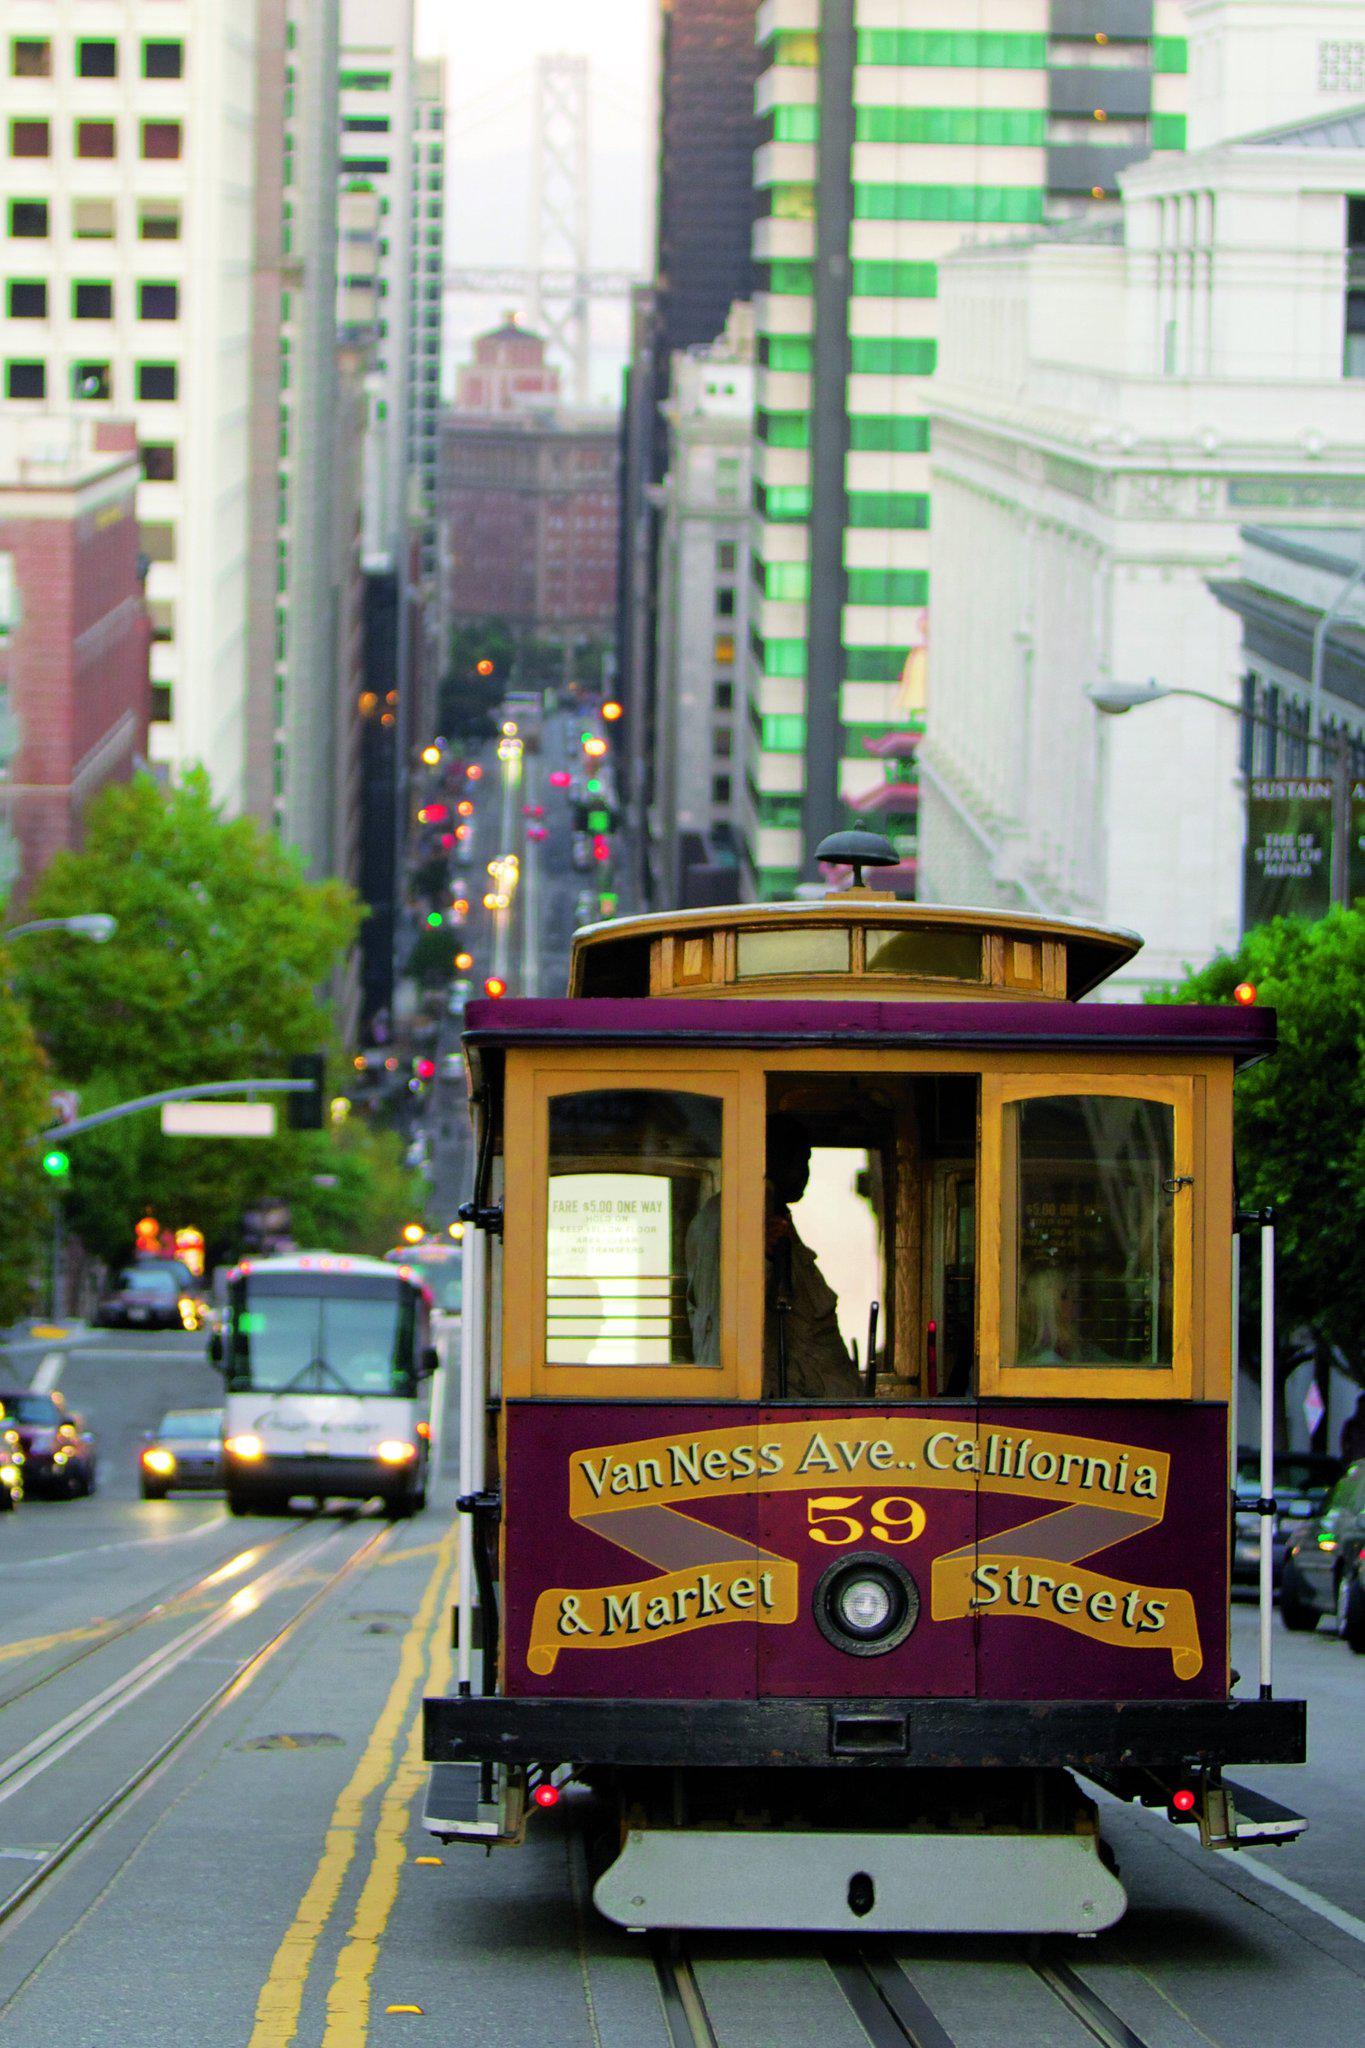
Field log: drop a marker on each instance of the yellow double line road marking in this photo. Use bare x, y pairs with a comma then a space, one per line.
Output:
281, 1998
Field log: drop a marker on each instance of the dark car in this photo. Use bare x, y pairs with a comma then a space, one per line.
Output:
153, 1294
185, 1450
58, 1449
1302, 1483
1324, 1572
11, 1465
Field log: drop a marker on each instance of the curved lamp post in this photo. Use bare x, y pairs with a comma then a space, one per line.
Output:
95, 925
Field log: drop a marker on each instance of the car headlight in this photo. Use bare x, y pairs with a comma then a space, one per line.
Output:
394, 1452
866, 1604
247, 1447
9, 1474
159, 1461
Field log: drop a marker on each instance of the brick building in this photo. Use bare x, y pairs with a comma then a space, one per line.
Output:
75, 692
530, 497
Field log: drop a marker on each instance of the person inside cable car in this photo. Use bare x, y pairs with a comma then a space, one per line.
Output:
804, 1355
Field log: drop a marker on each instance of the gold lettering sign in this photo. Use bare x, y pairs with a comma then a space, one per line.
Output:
1099, 1493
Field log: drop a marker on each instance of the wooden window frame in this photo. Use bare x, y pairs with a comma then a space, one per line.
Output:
996, 1226
526, 1140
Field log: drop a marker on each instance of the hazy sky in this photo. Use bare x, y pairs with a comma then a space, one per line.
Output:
490, 47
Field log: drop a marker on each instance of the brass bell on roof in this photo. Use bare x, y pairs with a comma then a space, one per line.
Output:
858, 850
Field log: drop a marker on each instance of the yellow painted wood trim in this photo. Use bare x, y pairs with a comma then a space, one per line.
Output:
997, 1246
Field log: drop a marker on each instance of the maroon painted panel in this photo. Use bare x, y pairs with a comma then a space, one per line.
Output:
852, 1509
1059, 1550
1165, 1567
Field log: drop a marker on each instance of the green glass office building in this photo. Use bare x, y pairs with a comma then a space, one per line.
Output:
894, 130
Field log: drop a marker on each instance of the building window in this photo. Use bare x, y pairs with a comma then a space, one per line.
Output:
159, 220
720, 789
93, 220
722, 742
1354, 361
161, 613
158, 540
96, 59
30, 57
158, 461
160, 141
727, 556
163, 60
157, 380
92, 302
725, 650
30, 138
366, 124
724, 694
27, 298
161, 704
28, 219
158, 301
95, 140
91, 380
725, 603
25, 380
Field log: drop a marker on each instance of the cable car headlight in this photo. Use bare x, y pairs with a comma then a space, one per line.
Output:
866, 1604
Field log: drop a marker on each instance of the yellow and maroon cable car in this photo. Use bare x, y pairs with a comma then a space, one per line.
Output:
846, 1419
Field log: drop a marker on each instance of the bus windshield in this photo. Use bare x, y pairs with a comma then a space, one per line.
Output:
314, 1333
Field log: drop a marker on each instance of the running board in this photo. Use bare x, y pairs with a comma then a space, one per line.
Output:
1258, 1819
474, 1803
795, 1881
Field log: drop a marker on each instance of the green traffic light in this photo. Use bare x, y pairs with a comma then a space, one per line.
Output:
435, 919
594, 785
57, 1164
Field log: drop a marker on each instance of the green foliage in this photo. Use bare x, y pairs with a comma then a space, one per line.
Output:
25, 1198
214, 974
468, 699
432, 958
1301, 1116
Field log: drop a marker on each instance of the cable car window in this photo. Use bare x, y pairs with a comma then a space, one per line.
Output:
634, 1198
926, 955
792, 952
1093, 1277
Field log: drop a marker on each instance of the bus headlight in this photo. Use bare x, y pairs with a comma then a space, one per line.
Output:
159, 1461
866, 1604
247, 1447
393, 1452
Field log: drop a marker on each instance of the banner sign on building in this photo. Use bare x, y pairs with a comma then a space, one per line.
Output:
1356, 856
1288, 869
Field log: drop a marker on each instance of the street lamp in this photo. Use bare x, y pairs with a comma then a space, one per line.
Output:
95, 925
1116, 698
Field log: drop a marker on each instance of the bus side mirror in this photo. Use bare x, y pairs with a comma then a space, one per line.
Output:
215, 1349
431, 1361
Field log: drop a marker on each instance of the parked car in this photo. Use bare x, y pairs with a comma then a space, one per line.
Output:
153, 1294
11, 1465
185, 1450
1324, 1571
1302, 1484
58, 1451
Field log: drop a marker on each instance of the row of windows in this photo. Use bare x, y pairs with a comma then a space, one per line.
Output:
948, 202
27, 299
96, 57
159, 141
94, 220
151, 381
789, 583
872, 355
790, 276
984, 50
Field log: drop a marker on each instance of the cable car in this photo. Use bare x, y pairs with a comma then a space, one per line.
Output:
845, 1389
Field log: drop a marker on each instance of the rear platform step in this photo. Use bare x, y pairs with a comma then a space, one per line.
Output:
1258, 1820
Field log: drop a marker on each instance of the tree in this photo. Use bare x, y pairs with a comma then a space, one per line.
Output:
468, 698
215, 972
25, 1202
1301, 1117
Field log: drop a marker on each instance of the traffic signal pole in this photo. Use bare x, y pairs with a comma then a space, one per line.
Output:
193, 1093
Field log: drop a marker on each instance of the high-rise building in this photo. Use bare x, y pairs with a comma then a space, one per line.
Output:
127, 182
703, 618
74, 687
428, 296
705, 207
894, 131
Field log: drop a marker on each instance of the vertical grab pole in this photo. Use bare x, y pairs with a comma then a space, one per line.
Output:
1235, 1384
470, 1319
1266, 1504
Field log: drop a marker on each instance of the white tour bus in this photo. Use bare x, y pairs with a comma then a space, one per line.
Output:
326, 1361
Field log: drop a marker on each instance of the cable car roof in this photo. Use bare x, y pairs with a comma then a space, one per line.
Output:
854, 942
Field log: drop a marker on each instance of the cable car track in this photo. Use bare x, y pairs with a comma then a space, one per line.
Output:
138, 1616
19, 1769
891, 2011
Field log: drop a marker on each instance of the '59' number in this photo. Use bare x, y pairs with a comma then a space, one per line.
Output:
895, 1518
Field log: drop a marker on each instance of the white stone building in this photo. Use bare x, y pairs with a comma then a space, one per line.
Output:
1116, 402
127, 180
703, 613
